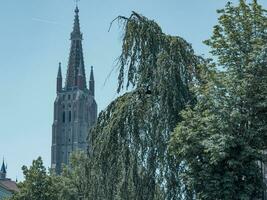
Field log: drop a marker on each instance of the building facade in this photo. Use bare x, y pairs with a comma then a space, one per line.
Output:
75, 108
7, 186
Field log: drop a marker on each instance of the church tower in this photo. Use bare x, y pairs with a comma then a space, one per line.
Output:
75, 108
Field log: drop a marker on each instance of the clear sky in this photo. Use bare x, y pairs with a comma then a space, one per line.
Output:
34, 37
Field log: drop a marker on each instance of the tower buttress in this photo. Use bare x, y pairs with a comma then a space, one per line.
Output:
92, 82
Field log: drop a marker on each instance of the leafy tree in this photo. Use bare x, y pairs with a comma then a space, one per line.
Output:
70, 185
221, 140
38, 184
128, 157
74, 179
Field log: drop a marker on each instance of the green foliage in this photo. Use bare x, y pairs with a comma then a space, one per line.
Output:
38, 185
74, 179
72, 184
221, 140
129, 158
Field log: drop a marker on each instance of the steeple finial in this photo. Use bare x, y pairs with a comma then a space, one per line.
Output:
76, 1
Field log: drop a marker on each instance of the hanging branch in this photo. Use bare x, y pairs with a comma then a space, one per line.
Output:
130, 138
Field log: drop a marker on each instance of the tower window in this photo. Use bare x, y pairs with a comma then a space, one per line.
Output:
69, 97
63, 117
69, 116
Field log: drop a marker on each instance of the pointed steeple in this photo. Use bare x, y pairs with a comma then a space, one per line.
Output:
59, 79
75, 56
3, 171
92, 82
3, 168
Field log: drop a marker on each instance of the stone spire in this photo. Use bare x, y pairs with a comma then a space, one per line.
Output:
3, 171
92, 82
59, 79
75, 56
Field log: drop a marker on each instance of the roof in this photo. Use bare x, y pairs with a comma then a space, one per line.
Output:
9, 185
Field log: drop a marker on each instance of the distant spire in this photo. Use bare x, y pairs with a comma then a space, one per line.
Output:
76, 55
92, 82
3, 170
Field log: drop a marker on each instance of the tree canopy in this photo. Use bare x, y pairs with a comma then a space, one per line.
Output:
129, 142
221, 140
38, 184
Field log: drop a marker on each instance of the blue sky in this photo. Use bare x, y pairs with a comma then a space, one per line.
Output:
35, 36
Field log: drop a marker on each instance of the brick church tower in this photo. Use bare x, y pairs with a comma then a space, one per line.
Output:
75, 108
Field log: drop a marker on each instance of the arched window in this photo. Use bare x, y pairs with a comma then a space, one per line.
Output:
63, 117
69, 116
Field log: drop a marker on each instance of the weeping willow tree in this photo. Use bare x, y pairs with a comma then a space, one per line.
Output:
128, 146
